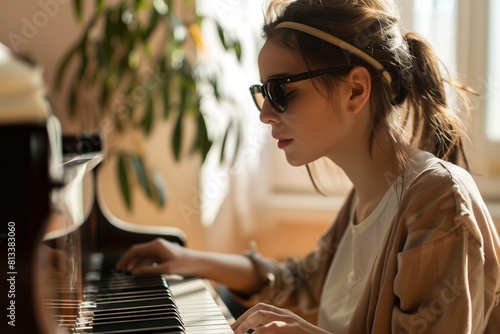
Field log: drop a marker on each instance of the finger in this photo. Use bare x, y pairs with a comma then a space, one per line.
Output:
148, 271
254, 309
258, 316
274, 327
243, 317
126, 262
251, 323
136, 254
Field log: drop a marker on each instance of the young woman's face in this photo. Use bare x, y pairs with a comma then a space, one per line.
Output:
316, 123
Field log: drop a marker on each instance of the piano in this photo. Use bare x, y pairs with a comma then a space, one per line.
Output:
58, 247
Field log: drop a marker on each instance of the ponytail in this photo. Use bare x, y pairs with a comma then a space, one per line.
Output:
434, 126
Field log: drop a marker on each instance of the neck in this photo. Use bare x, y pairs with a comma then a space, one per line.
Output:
372, 173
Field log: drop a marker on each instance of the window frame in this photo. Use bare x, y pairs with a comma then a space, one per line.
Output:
472, 59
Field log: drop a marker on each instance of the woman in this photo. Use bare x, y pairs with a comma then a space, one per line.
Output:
414, 248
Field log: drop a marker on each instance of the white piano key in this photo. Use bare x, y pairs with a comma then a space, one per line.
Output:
200, 312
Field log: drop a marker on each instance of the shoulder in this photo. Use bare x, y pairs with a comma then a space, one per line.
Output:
440, 181
436, 178
442, 199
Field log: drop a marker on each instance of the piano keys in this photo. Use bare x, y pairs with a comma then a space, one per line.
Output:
108, 301
115, 302
65, 281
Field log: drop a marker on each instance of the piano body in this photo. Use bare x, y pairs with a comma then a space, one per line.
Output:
58, 248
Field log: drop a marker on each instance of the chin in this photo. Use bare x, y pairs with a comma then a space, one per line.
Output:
296, 161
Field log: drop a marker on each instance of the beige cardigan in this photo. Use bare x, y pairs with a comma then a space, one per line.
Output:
437, 272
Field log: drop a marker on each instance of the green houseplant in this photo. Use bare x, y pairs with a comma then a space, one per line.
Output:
136, 60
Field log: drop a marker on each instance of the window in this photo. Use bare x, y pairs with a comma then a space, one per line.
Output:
433, 20
493, 79
477, 54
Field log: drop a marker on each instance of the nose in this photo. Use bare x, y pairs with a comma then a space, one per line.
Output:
268, 115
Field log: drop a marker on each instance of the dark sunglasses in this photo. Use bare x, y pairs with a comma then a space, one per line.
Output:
274, 88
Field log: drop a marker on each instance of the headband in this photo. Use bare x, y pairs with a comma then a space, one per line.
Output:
338, 42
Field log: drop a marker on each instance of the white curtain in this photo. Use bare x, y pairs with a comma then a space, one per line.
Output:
241, 182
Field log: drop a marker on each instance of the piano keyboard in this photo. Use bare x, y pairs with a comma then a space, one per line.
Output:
199, 311
116, 302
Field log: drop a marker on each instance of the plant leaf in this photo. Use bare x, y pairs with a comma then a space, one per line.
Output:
64, 63
202, 142
107, 36
140, 4
78, 9
237, 49
147, 120
79, 49
177, 136
224, 143
165, 93
141, 173
215, 86
183, 95
221, 34
128, 100
153, 23
124, 181
100, 5
103, 98
83, 62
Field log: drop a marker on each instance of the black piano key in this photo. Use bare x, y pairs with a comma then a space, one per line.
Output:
166, 324
138, 318
119, 277
156, 301
134, 313
117, 295
145, 331
121, 303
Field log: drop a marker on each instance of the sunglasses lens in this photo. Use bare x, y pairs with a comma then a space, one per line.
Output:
257, 95
258, 98
277, 96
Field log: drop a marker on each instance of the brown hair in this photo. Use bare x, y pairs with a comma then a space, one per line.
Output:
415, 101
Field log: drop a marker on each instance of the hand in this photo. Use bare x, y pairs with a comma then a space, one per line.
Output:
265, 318
156, 257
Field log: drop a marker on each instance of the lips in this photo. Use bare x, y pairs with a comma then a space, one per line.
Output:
284, 142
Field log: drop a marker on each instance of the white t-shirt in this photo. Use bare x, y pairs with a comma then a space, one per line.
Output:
357, 251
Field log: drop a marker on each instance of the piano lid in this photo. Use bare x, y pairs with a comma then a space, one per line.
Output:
75, 199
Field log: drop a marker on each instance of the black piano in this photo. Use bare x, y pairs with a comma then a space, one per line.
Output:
58, 249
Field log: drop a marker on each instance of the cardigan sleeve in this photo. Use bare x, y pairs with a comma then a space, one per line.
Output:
298, 283
439, 271
442, 287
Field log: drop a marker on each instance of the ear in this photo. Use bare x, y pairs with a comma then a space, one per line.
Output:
359, 84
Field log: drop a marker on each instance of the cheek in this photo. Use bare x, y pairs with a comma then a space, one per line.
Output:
324, 120
328, 129
316, 132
